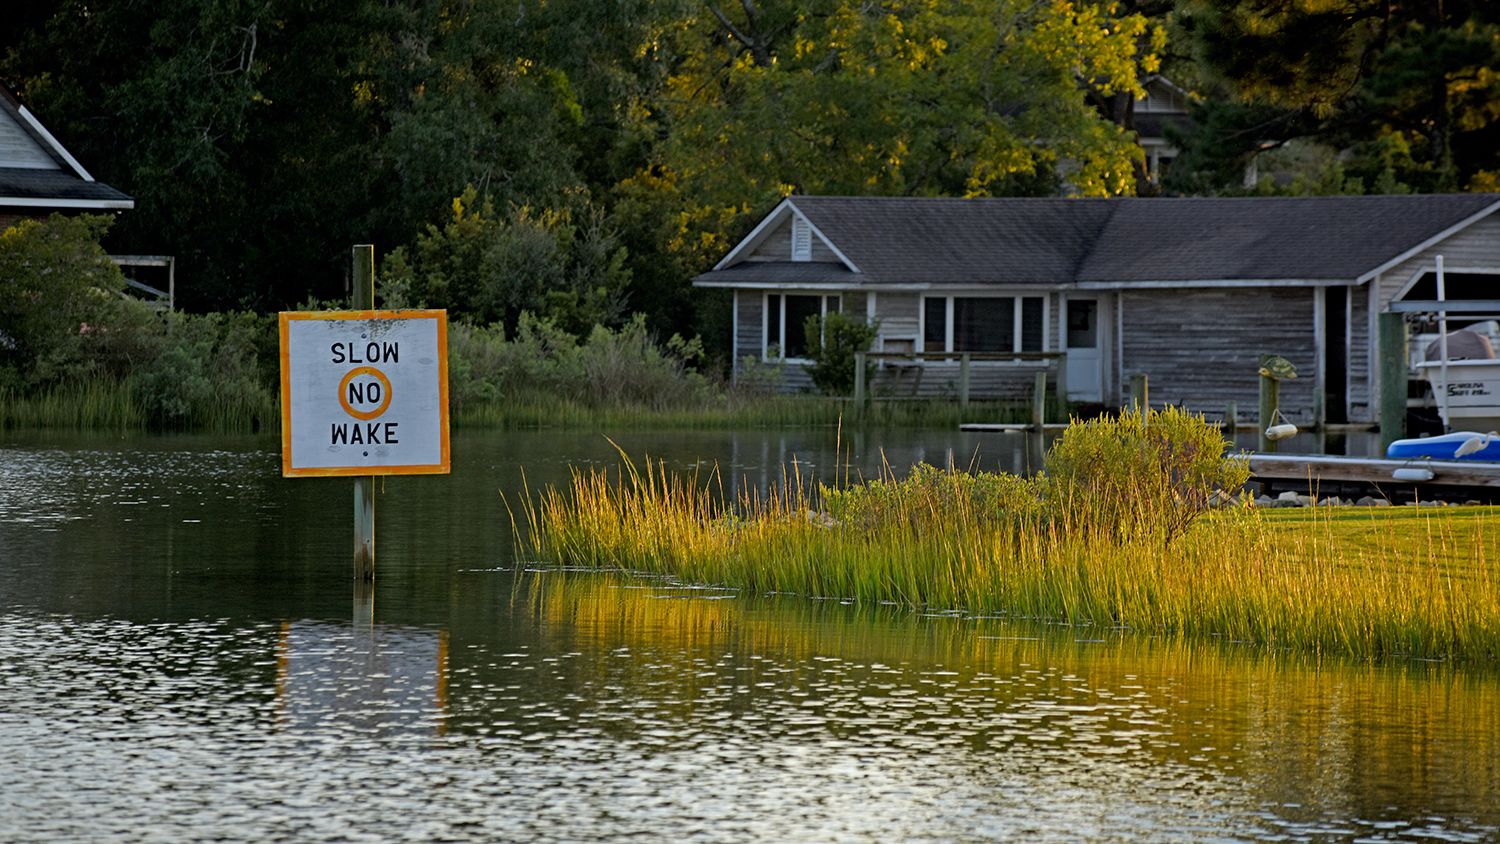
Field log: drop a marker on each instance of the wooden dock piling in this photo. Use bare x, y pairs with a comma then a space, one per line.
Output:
364, 487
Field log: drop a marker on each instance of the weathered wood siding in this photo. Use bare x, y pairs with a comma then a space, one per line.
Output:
897, 313
778, 246
853, 304
1476, 247
749, 307
1201, 349
820, 251
1361, 393
939, 379
17, 149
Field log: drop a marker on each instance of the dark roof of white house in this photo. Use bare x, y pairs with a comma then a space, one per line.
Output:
1106, 241
36, 172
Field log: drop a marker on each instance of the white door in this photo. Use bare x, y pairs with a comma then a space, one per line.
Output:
1081, 338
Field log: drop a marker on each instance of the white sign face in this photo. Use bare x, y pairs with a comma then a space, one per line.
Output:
364, 393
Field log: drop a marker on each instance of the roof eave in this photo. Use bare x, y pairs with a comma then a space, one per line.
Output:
43, 202
1141, 284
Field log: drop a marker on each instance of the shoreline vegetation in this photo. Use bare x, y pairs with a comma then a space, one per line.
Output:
77, 353
116, 405
1126, 529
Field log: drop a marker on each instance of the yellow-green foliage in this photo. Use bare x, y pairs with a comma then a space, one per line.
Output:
1364, 583
1136, 473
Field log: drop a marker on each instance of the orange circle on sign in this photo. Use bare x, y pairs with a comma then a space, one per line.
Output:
385, 396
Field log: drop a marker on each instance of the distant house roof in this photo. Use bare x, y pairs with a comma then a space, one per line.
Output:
1102, 242
38, 174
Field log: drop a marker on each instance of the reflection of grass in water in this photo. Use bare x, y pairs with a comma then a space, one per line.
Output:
1365, 583
1265, 712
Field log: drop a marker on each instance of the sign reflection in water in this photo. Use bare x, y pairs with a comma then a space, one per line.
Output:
368, 679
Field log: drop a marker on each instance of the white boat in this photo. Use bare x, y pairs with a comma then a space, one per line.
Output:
1468, 394
1462, 370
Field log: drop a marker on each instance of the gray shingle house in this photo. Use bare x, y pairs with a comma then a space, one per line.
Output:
39, 177
1189, 291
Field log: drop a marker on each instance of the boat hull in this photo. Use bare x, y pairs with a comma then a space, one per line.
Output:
1470, 400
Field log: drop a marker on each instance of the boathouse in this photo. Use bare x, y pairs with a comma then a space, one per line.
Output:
1189, 291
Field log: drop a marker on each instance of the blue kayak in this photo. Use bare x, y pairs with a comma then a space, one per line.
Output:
1444, 447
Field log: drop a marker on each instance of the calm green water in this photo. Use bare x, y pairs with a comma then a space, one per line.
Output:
182, 657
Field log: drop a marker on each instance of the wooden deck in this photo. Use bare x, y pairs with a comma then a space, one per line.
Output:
1316, 469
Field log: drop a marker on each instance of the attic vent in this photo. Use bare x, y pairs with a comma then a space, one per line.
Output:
801, 240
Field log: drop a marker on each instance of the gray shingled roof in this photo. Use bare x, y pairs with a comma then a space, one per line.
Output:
18, 183
1103, 241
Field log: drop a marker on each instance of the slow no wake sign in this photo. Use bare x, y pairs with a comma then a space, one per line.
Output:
364, 393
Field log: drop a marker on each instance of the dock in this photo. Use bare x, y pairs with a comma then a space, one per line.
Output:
1316, 470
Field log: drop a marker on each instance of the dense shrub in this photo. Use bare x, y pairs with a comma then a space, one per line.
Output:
1127, 476
621, 367
832, 344
936, 499
214, 371
59, 299
1139, 472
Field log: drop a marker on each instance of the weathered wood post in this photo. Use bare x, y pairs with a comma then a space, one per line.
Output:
1231, 418
1140, 392
1270, 400
1393, 376
1062, 379
963, 386
860, 388
1039, 402
364, 487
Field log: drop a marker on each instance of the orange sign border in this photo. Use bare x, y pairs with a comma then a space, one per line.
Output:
284, 322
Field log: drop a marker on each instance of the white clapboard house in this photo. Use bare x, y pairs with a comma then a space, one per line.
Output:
1189, 291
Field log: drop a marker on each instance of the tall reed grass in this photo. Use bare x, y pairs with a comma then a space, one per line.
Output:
729, 411
117, 405
105, 404
1418, 583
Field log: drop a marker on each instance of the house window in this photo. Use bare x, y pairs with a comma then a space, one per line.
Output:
786, 322
984, 323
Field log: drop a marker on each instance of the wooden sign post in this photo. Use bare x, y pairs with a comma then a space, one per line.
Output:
364, 393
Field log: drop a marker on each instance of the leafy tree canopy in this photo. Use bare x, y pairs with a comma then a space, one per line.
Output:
1406, 91
903, 98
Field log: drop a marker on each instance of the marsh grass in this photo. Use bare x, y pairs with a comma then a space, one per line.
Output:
727, 411
105, 404
117, 405
1366, 583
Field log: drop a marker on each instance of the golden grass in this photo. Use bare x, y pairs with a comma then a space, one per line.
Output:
1360, 582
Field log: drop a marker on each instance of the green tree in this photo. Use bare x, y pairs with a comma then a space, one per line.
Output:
899, 98
564, 267
1404, 91
60, 300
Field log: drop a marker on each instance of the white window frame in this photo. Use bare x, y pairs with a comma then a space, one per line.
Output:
765, 320
1018, 309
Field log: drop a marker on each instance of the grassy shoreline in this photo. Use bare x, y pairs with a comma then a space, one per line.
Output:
113, 405
1357, 582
